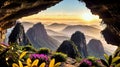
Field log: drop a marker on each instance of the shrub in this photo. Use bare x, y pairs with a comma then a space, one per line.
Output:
29, 48
59, 57
111, 61
45, 51
91, 62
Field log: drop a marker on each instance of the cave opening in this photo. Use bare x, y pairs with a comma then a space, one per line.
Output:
64, 14
11, 16
65, 26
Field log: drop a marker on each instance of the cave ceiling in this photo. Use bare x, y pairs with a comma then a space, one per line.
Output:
11, 10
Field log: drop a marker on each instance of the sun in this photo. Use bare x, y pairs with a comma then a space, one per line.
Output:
88, 17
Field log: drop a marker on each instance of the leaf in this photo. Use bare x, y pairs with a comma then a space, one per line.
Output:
28, 62
20, 64
52, 62
14, 65
35, 62
115, 59
58, 64
104, 63
106, 57
42, 65
110, 60
117, 65
23, 54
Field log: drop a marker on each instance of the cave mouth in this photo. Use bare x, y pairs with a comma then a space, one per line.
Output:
85, 20
10, 15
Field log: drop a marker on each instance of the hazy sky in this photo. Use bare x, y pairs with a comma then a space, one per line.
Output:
67, 11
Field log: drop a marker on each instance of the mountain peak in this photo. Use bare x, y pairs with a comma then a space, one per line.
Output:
79, 40
38, 24
78, 36
95, 48
39, 37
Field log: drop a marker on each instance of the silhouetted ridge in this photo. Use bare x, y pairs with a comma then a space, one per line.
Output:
18, 35
69, 48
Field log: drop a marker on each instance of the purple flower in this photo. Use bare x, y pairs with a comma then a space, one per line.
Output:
86, 61
39, 56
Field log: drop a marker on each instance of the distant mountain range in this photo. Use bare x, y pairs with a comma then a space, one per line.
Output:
27, 25
53, 35
56, 26
87, 30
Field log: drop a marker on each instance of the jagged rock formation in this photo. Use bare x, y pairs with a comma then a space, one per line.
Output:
95, 48
79, 39
38, 37
69, 48
109, 11
18, 35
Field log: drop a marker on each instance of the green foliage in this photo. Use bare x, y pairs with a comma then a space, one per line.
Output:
111, 61
59, 57
117, 52
78, 59
76, 49
45, 51
9, 55
29, 48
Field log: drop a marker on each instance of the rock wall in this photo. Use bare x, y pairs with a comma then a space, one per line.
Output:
2, 35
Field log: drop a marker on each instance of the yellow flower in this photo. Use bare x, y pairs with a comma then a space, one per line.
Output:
52, 63
57, 64
23, 54
28, 61
30, 64
15, 65
42, 65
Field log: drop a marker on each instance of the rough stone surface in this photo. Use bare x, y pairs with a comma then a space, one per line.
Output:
18, 35
79, 39
2, 35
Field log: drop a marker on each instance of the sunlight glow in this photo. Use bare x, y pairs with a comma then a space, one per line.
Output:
89, 17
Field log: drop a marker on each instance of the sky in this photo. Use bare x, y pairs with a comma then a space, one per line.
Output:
67, 12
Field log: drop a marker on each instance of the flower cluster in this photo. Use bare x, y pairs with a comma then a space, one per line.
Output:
41, 57
36, 62
86, 62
